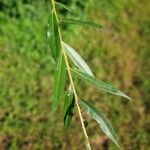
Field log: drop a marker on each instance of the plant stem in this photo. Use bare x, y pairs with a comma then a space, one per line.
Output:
71, 80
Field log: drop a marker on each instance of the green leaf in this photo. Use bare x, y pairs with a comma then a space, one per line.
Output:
59, 82
64, 6
82, 23
77, 59
68, 106
99, 84
53, 36
101, 119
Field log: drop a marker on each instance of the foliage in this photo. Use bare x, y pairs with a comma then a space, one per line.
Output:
26, 73
59, 51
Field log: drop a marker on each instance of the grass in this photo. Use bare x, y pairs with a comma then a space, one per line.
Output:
119, 53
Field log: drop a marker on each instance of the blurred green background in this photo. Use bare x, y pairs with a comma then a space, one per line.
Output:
118, 54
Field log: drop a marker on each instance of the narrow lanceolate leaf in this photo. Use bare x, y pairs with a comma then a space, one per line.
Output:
64, 6
82, 23
53, 36
68, 108
77, 59
59, 82
99, 84
101, 120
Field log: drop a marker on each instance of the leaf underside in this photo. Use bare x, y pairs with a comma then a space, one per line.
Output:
53, 36
82, 23
68, 108
77, 59
59, 82
100, 119
98, 83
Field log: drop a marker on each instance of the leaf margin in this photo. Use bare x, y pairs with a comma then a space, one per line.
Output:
59, 82
99, 84
88, 24
68, 107
53, 36
100, 118
77, 59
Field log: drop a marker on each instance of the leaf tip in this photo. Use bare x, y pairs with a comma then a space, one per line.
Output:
124, 95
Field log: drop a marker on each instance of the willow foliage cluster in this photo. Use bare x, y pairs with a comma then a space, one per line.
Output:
61, 53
